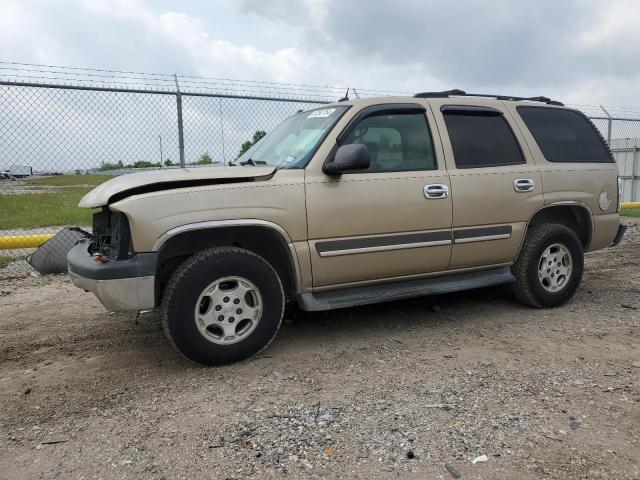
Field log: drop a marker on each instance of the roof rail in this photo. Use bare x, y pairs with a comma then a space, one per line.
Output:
461, 93
444, 94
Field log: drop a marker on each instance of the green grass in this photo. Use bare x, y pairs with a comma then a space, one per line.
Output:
70, 180
32, 210
4, 260
633, 212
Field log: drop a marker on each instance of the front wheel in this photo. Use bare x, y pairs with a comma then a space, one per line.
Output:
549, 268
222, 305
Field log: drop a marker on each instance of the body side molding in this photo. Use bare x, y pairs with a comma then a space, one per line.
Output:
378, 243
480, 234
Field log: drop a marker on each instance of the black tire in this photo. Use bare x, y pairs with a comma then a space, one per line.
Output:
190, 280
528, 288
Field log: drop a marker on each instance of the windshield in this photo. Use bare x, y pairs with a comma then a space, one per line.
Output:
292, 142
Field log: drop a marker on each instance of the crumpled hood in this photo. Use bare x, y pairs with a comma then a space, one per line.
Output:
170, 178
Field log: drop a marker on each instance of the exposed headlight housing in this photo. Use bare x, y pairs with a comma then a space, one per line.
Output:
111, 235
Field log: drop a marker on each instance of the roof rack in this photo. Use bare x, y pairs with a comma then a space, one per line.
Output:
460, 93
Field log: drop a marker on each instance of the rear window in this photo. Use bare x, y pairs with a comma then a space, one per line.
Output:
565, 135
481, 139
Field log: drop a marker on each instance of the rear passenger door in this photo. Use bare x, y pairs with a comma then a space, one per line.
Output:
495, 184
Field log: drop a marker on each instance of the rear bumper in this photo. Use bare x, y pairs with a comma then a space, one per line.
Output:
120, 285
621, 229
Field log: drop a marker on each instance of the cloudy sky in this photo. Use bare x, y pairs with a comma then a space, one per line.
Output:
578, 51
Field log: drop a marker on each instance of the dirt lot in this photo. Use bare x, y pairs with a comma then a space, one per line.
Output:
396, 390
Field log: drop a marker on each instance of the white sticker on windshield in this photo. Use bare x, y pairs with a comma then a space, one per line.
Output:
325, 112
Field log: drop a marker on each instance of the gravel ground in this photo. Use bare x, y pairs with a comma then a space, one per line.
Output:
412, 389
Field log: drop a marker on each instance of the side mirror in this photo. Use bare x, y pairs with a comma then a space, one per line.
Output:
348, 157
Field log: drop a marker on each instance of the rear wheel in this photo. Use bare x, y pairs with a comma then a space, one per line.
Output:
549, 268
222, 305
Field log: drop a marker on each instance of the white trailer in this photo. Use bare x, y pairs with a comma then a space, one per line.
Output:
19, 171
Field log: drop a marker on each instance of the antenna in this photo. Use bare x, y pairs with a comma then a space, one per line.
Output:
346, 96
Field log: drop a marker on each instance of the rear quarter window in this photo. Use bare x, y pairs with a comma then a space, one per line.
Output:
565, 135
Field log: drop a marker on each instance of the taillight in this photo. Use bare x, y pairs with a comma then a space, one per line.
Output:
619, 199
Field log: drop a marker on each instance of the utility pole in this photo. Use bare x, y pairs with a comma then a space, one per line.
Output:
160, 138
180, 130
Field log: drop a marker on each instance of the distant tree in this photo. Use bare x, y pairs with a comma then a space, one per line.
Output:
205, 159
250, 143
144, 164
168, 163
104, 166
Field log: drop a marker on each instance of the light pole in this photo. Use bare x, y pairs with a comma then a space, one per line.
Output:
160, 138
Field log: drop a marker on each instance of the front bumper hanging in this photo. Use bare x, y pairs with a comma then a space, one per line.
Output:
120, 285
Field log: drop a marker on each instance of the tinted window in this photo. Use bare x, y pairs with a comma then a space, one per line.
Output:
396, 142
481, 139
564, 135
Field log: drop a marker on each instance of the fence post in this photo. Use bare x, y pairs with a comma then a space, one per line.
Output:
609, 122
224, 157
634, 177
180, 128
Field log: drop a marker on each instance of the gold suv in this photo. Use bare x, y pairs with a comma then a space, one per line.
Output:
353, 203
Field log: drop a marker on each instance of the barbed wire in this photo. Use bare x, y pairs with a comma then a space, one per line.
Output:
21, 72
79, 76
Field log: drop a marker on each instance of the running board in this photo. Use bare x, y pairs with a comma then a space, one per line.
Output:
350, 297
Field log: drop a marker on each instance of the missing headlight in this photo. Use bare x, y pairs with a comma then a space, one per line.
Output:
111, 235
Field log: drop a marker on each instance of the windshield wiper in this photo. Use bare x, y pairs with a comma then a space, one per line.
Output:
252, 162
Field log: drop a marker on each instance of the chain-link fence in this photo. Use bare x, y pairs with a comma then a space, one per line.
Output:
620, 127
64, 130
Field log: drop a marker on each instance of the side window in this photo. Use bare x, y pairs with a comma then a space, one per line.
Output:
565, 135
481, 138
396, 142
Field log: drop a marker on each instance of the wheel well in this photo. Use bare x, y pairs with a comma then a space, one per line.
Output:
574, 217
263, 241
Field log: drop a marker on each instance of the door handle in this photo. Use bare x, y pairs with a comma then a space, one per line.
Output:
523, 184
436, 190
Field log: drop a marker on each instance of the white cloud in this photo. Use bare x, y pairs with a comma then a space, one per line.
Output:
578, 50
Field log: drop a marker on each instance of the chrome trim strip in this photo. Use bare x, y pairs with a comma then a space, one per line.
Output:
483, 238
399, 246
477, 232
367, 243
247, 222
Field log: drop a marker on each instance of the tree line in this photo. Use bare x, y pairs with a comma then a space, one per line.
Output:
205, 158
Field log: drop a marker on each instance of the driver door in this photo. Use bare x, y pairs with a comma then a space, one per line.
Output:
392, 220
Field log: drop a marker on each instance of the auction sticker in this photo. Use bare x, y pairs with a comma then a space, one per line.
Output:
325, 112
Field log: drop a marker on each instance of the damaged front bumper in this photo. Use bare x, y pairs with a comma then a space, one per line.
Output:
120, 285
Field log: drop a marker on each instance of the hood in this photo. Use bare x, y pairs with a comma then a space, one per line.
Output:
170, 178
